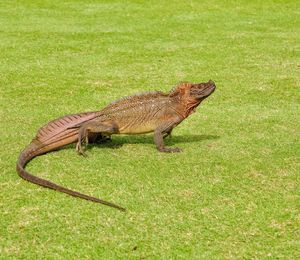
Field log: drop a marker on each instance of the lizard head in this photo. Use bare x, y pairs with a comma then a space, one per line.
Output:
194, 91
200, 91
192, 94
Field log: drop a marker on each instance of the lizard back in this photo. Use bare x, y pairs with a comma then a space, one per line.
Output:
138, 113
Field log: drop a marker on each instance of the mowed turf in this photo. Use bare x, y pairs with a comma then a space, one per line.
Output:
234, 190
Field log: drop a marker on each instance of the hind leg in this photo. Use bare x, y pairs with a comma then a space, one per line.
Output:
103, 128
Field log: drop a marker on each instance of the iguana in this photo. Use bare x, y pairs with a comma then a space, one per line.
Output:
156, 112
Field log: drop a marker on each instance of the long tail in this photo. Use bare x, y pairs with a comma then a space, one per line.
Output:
35, 149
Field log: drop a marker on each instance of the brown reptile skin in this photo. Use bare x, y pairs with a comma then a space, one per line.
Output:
149, 112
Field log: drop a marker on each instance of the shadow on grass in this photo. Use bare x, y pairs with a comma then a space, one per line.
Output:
119, 141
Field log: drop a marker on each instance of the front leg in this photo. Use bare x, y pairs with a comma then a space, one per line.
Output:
159, 138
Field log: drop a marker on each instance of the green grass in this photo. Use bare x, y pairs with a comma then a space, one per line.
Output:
232, 193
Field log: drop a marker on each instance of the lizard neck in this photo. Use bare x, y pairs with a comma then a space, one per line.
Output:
184, 106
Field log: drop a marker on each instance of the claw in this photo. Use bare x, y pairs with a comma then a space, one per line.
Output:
79, 149
82, 139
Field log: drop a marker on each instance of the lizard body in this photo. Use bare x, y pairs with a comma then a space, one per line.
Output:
149, 112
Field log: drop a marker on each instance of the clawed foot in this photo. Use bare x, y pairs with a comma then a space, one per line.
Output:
170, 150
79, 149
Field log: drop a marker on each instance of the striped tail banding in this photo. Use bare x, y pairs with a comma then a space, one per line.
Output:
48, 139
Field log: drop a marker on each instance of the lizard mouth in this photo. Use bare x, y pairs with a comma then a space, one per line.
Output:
207, 91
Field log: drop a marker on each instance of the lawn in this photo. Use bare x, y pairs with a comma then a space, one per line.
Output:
234, 191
